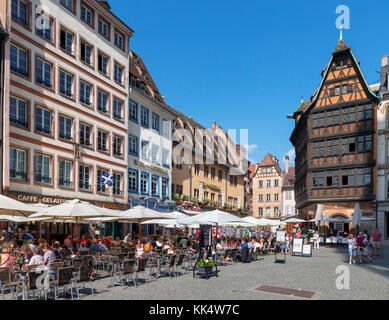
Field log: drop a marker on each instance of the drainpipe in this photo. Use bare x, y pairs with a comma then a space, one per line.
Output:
3, 38
382, 104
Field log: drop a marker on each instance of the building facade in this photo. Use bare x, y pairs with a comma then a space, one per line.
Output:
287, 189
220, 183
66, 112
149, 137
383, 153
334, 137
266, 188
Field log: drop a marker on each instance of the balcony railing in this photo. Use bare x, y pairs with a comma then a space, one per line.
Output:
65, 183
66, 136
84, 186
19, 175
42, 179
21, 122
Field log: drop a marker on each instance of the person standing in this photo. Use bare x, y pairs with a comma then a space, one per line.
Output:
376, 242
351, 248
316, 241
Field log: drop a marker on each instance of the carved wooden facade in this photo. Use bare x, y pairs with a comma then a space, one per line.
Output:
334, 137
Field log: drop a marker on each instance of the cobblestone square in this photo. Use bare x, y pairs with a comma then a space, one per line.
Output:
235, 282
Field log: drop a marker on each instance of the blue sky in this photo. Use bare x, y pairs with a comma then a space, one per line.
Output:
246, 65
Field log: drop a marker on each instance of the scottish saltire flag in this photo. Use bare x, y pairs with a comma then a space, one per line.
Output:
107, 179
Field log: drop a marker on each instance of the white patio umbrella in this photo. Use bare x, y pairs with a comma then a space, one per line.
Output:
356, 219
240, 224
295, 220
75, 210
217, 216
268, 222
252, 220
12, 207
319, 215
140, 214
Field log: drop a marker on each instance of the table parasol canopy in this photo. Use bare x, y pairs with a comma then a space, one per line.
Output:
12, 207
74, 210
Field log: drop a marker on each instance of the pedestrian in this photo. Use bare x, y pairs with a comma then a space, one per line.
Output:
376, 242
316, 241
351, 248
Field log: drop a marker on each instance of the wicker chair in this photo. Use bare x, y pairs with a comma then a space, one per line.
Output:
6, 282
64, 280
84, 276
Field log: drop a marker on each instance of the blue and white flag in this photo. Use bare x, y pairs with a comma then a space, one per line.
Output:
107, 179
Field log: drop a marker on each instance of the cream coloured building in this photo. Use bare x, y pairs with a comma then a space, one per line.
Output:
266, 184
66, 111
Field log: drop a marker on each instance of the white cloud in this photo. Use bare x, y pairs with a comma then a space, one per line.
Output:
252, 147
292, 156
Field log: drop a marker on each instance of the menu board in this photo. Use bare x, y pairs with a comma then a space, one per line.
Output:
297, 246
307, 250
281, 236
205, 236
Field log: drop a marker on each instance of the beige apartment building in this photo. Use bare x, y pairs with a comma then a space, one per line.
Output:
219, 183
65, 118
267, 188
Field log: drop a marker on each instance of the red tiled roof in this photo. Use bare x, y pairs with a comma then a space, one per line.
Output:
271, 160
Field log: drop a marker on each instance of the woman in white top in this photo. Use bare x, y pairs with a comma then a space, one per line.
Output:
36, 258
139, 249
316, 241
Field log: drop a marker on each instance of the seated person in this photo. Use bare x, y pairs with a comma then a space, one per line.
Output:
83, 248
49, 255
36, 259
139, 249
148, 247
7, 258
184, 242
195, 246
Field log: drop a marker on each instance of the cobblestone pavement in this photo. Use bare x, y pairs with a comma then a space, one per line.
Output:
237, 281
367, 281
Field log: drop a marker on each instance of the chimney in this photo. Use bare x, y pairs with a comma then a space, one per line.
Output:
286, 164
384, 61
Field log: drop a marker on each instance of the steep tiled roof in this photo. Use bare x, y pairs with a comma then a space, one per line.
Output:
271, 160
288, 178
341, 46
141, 77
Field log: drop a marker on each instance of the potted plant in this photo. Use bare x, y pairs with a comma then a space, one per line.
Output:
205, 266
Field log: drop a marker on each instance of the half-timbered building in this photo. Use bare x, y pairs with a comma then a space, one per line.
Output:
334, 137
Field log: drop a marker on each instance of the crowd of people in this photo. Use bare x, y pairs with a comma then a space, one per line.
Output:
25, 251
364, 246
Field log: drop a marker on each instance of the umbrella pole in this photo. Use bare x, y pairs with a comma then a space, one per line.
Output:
40, 231
140, 230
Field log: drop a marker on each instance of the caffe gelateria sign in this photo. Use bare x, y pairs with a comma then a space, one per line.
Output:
55, 201
40, 199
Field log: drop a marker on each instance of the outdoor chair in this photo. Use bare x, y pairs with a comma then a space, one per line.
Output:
87, 260
153, 263
55, 266
84, 276
141, 267
237, 255
169, 267
30, 285
7, 283
127, 269
178, 263
64, 280
76, 263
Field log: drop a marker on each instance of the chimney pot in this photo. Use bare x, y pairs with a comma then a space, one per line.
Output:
384, 61
287, 164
